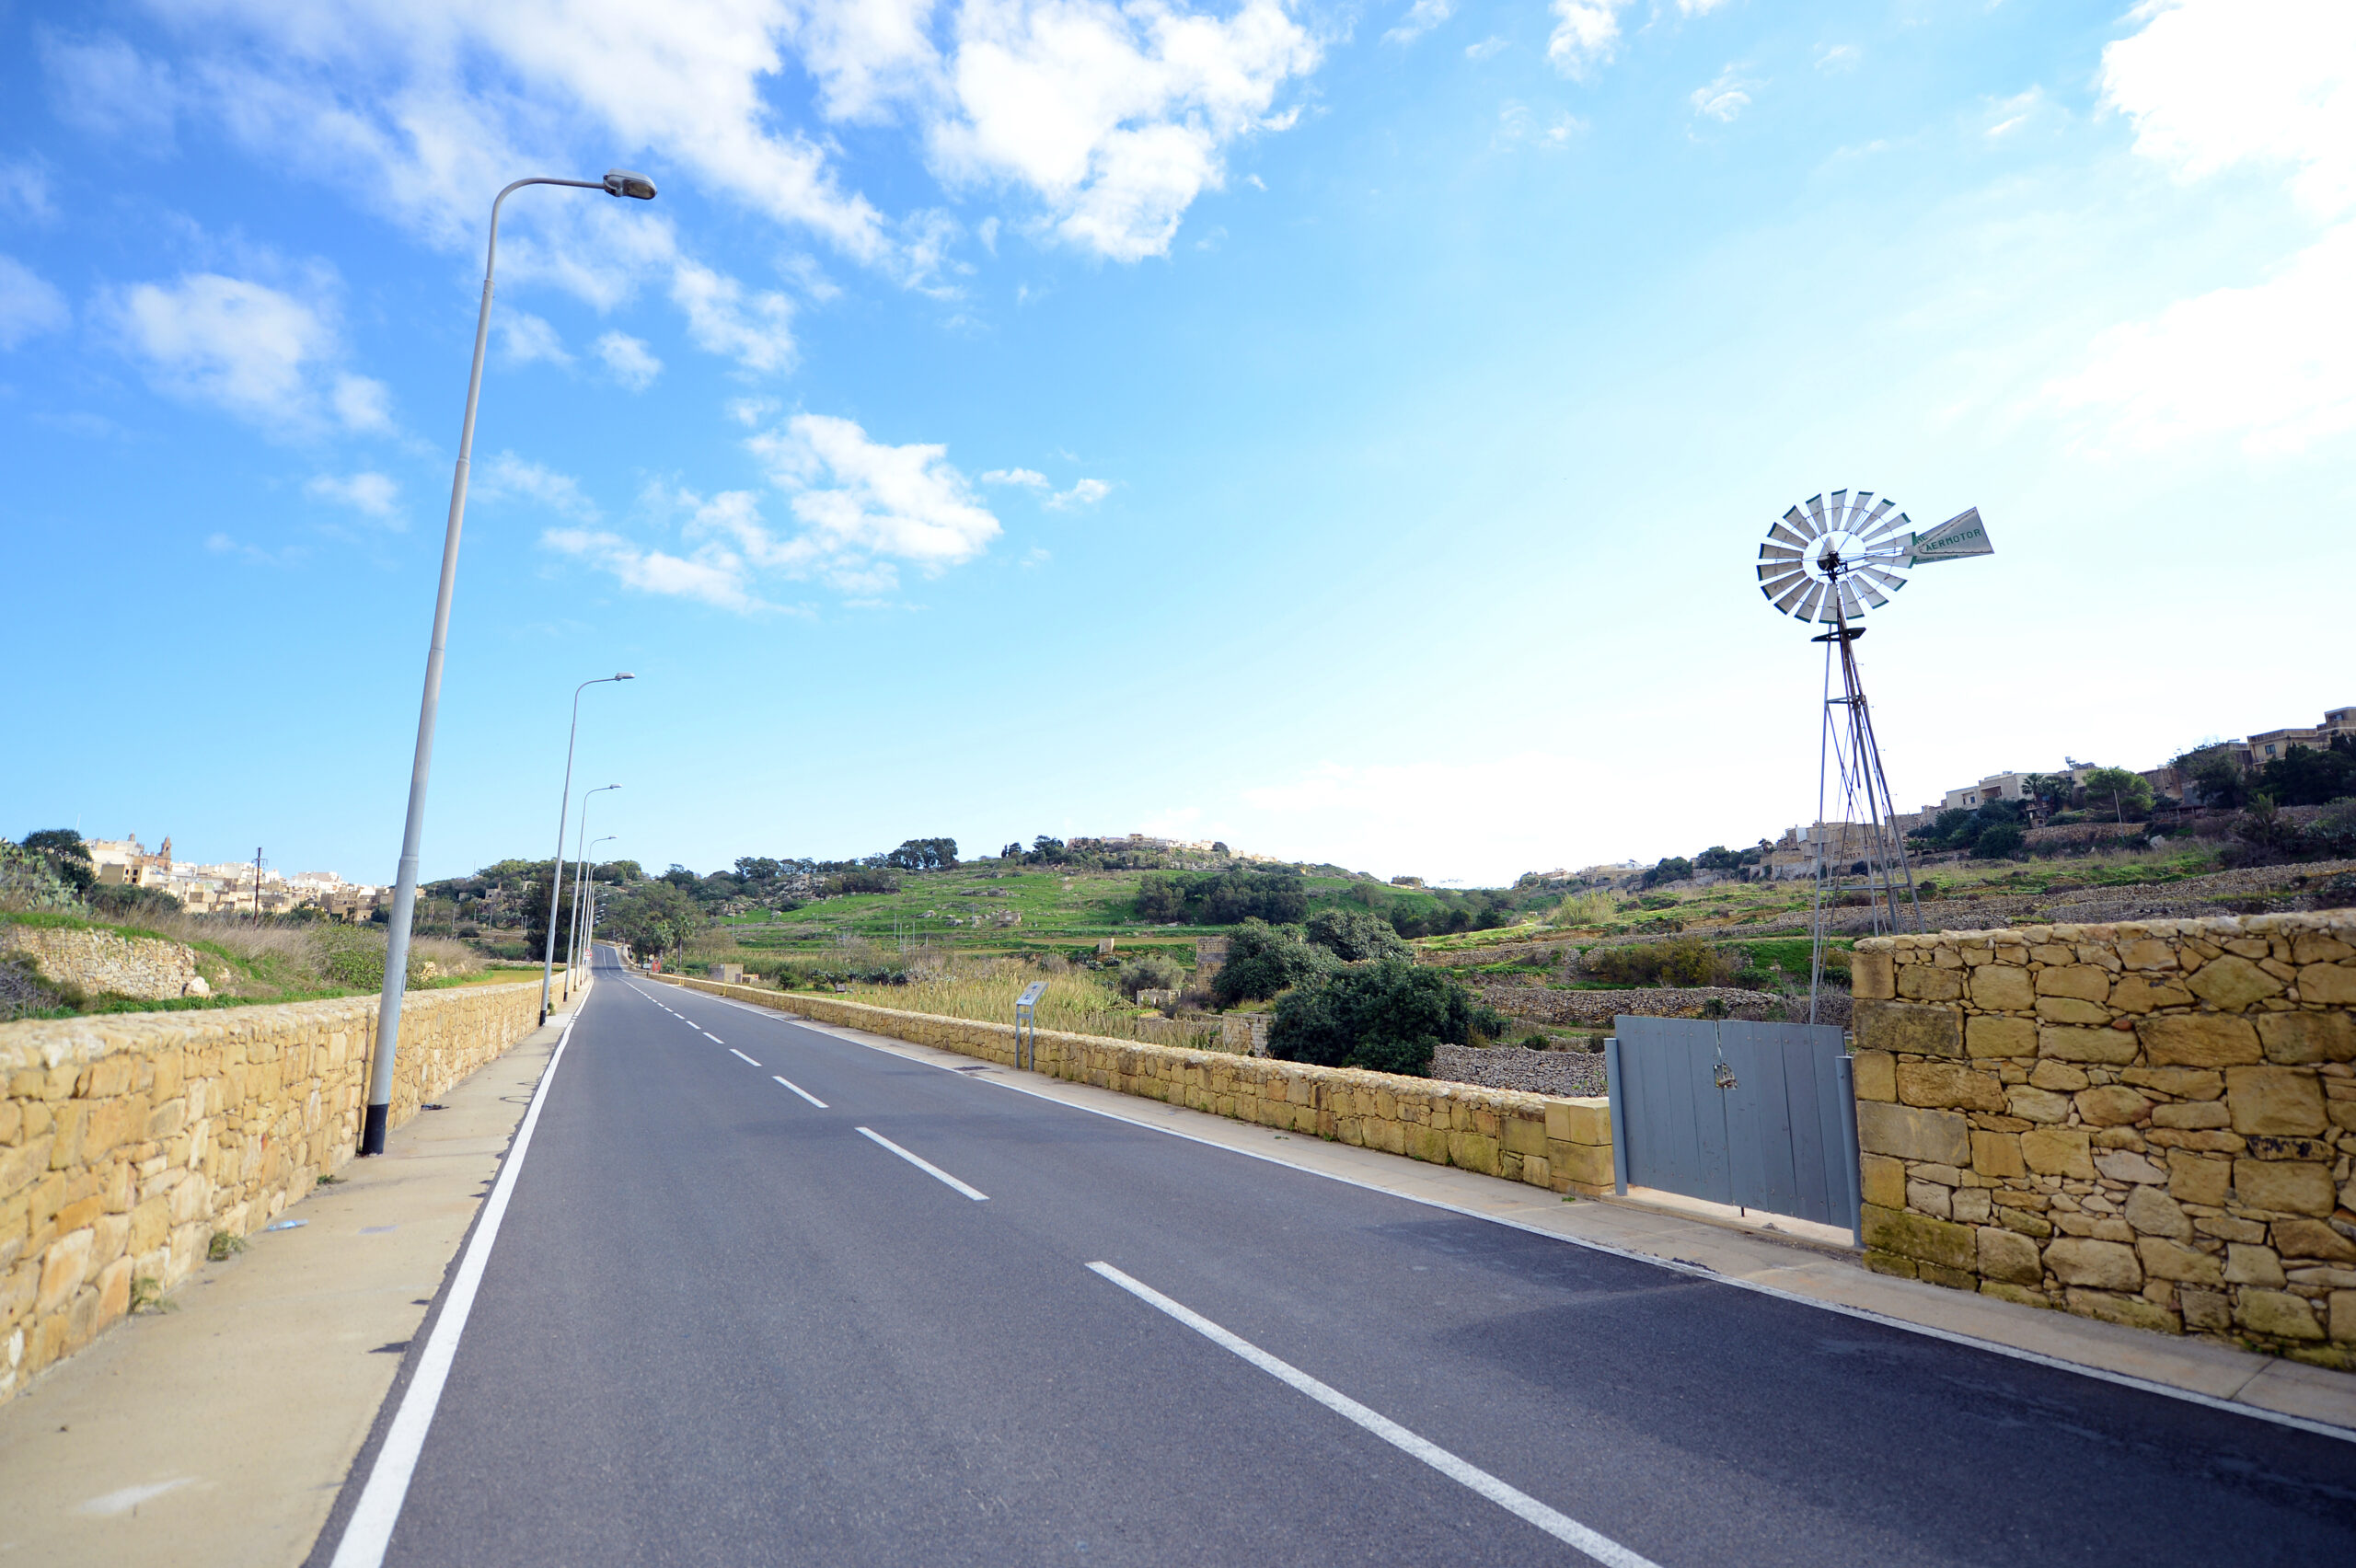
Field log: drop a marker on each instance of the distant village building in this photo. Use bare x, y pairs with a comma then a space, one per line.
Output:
229, 887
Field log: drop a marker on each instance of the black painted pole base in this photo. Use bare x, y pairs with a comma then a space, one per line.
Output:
372, 1131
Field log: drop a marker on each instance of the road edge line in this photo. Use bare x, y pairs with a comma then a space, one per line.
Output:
369, 1532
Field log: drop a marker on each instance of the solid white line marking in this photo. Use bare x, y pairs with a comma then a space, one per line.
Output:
799, 1091
929, 1168
370, 1530
740, 1057
1562, 1527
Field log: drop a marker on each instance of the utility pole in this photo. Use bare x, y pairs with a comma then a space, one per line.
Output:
257, 885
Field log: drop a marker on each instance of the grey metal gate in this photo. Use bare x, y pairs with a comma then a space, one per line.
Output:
1756, 1116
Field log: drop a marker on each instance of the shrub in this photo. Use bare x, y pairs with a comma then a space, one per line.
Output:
1151, 972
1681, 960
1262, 959
1998, 841
2334, 832
1388, 1016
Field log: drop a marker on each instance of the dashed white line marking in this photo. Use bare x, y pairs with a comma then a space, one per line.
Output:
1562, 1527
740, 1057
715, 1039
799, 1091
935, 1171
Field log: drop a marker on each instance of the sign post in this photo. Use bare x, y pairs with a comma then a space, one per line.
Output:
1026, 1026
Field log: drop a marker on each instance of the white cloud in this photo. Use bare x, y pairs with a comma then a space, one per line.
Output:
2273, 363
1587, 34
754, 329
1485, 49
1517, 123
1087, 492
629, 361
1029, 479
108, 88
2213, 84
861, 511
2211, 88
866, 507
716, 578
1724, 99
1035, 557
29, 304
510, 478
1421, 18
525, 339
1838, 57
373, 493
2010, 114
26, 191
1117, 118
244, 347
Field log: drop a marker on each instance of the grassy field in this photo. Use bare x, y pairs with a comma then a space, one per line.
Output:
248, 964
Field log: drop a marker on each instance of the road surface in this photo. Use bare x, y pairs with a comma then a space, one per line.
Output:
761, 1294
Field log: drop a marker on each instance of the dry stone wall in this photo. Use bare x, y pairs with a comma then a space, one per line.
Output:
1562, 1145
148, 968
128, 1140
2153, 1124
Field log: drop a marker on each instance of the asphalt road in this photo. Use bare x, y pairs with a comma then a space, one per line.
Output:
723, 1325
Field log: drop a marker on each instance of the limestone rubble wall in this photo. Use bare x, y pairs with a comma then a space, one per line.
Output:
1562, 1145
127, 1140
2153, 1124
148, 968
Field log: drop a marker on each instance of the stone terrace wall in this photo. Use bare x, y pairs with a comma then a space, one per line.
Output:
2152, 1123
147, 967
128, 1139
1562, 1145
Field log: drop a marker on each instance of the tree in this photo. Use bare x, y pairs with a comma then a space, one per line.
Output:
1673, 869
1353, 935
1718, 858
2120, 790
2054, 791
2213, 778
1389, 1016
1999, 841
63, 849
1011, 853
924, 855
2305, 776
1262, 959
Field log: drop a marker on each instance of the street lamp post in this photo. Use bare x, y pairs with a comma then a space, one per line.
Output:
584, 916
564, 803
617, 182
580, 878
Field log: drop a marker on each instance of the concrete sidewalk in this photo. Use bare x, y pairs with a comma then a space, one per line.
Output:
219, 1432
1801, 1268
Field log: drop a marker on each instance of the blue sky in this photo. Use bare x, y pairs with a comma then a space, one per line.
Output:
1346, 431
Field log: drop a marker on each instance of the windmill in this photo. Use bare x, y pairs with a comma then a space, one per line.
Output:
1829, 561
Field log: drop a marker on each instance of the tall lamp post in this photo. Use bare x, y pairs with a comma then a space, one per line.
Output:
617, 182
584, 916
564, 801
580, 876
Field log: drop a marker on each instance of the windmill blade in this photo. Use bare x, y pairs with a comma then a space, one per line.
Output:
1786, 535
1774, 551
1849, 600
1816, 514
1838, 510
1814, 596
1878, 523
1859, 508
1776, 570
1801, 528
1960, 536
1872, 596
1879, 578
1788, 604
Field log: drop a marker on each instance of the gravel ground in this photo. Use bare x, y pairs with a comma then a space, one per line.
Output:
1571, 1073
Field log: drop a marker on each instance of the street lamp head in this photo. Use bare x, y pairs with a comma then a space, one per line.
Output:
622, 182
625, 675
